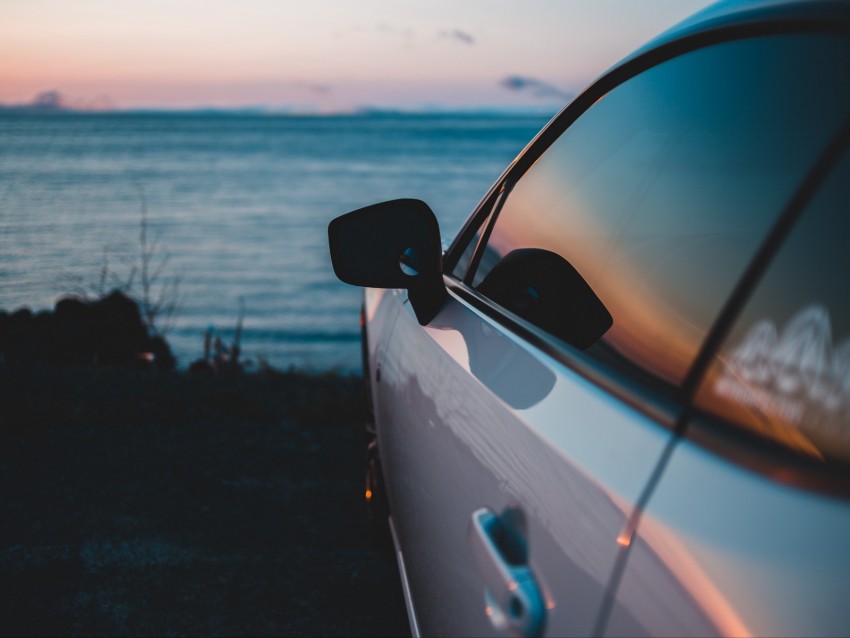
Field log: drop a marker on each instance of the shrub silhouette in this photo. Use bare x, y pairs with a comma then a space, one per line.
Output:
108, 331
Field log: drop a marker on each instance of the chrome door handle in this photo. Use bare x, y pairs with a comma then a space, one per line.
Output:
512, 597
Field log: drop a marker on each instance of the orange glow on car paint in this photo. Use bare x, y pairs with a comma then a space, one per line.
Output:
368, 495
691, 573
624, 540
550, 604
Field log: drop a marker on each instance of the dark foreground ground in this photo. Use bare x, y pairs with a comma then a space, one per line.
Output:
135, 504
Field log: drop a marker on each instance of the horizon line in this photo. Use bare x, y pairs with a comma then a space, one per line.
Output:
540, 110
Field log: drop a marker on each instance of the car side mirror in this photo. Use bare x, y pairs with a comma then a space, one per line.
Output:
393, 244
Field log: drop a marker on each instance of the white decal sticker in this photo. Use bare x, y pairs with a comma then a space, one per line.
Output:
794, 374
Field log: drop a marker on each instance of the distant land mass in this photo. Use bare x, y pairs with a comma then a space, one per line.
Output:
53, 102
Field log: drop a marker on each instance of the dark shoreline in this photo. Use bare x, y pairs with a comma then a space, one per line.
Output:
142, 503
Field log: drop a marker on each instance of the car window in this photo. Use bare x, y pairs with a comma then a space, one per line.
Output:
784, 370
643, 214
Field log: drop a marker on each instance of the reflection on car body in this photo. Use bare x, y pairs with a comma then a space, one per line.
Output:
618, 403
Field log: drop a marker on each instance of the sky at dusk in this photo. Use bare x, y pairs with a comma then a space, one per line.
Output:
318, 55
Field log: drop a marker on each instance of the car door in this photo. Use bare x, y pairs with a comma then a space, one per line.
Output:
641, 206
746, 532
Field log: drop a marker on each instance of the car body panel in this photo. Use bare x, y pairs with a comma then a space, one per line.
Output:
378, 318
718, 546
510, 428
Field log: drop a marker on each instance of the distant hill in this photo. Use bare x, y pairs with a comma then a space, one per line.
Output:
53, 101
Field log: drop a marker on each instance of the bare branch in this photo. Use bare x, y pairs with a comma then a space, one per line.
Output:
159, 294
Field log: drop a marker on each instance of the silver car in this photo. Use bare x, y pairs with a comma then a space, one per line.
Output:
619, 403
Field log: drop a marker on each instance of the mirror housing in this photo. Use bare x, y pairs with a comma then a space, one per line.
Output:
394, 244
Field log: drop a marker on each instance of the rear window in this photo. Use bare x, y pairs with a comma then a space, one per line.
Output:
784, 371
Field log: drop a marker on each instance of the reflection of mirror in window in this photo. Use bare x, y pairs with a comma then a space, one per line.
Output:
543, 288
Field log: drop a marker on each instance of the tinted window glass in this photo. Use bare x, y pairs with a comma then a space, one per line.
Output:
784, 371
659, 195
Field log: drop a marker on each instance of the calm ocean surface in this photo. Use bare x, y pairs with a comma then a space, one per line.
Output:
240, 204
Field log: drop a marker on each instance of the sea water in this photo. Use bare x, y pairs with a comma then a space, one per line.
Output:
236, 210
